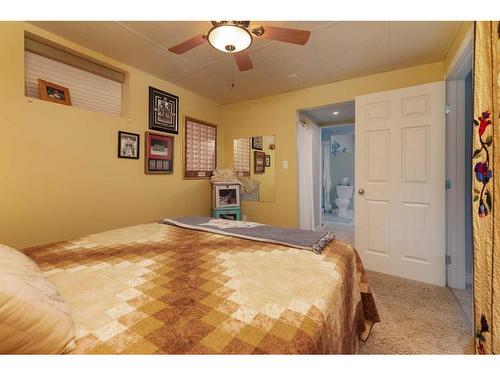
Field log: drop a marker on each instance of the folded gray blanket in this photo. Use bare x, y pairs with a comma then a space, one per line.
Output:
298, 238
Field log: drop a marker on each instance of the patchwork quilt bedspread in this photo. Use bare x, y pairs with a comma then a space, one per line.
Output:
156, 288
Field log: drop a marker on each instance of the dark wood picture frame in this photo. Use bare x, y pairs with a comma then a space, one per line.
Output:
163, 111
268, 160
160, 161
197, 174
258, 143
53, 92
259, 162
122, 154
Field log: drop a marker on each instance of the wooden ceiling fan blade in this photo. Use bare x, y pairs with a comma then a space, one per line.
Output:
243, 61
188, 44
286, 35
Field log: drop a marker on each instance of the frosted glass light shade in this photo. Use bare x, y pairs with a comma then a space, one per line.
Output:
229, 38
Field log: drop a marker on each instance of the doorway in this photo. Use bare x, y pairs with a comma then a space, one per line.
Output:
334, 152
459, 124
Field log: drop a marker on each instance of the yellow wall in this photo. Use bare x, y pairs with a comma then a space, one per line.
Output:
455, 50
59, 173
60, 177
278, 115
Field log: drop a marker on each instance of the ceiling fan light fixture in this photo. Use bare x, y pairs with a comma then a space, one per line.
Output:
229, 38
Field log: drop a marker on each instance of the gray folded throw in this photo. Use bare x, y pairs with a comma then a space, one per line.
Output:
298, 238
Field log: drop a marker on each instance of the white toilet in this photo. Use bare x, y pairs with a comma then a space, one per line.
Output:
344, 194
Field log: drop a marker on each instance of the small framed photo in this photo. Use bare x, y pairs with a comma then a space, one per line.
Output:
257, 143
159, 154
128, 145
268, 161
53, 92
163, 111
259, 162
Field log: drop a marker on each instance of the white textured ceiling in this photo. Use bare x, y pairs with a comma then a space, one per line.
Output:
336, 51
324, 115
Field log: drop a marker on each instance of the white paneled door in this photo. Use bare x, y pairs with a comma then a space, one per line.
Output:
400, 182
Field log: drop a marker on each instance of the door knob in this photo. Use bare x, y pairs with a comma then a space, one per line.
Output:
361, 191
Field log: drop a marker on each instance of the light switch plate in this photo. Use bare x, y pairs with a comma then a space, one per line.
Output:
285, 164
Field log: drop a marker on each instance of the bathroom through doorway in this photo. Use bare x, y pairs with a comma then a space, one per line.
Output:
335, 149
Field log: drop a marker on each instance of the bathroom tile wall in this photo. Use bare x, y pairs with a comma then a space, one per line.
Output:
342, 161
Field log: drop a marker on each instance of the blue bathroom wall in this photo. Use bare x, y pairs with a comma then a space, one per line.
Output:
341, 161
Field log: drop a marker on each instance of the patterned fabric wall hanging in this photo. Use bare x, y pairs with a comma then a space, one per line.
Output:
485, 194
200, 149
242, 156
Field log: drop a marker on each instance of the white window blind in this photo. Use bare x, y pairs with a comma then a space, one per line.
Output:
87, 90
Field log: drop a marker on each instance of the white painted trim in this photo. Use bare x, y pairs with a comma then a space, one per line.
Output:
298, 122
468, 278
455, 205
320, 184
306, 121
462, 61
456, 73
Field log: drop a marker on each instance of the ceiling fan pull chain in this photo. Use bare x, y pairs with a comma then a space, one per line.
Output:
230, 75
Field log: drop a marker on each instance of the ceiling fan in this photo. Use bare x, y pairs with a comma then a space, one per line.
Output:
235, 37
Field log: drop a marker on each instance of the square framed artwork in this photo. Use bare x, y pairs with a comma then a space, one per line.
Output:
268, 161
163, 111
258, 143
53, 92
259, 165
128, 145
159, 156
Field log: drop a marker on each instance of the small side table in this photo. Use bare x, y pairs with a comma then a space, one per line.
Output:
227, 213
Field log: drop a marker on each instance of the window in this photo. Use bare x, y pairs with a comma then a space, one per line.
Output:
91, 85
200, 149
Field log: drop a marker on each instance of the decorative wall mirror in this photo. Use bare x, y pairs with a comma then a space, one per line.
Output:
254, 160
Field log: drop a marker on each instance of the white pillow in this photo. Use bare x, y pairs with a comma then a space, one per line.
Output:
33, 317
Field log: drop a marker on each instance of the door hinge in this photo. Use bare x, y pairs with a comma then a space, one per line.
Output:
447, 109
447, 184
447, 259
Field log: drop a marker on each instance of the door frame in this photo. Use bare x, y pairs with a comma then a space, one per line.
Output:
455, 160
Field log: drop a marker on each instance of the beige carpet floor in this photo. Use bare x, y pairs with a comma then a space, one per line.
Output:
464, 297
417, 318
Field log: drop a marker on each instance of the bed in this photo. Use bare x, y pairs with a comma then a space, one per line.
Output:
157, 288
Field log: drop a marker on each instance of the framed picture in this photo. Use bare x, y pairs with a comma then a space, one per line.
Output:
257, 143
268, 161
259, 162
159, 154
200, 149
341, 144
226, 195
53, 92
128, 145
163, 111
